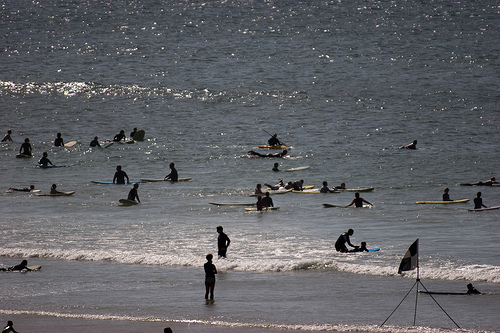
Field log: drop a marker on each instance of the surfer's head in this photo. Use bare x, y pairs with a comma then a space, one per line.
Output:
350, 232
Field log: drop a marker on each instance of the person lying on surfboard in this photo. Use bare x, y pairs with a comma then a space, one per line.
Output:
254, 153
44, 161
25, 147
120, 136
471, 290
277, 186
173, 175
358, 201
274, 141
489, 182
25, 189
412, 145
478, 201
132, 194
20, 267
341, 187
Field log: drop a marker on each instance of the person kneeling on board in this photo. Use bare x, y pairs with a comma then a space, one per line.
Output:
132, 194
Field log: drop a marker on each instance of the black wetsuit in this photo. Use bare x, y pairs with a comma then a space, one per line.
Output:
222, 244
341, 241
58, 142
133, 194
478, 203
25, 148
120, 177
173, 175
267, 201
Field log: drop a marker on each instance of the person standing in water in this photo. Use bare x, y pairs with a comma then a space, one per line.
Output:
120, 176
58, 142
210, 271
173, 175
223, 242
358, 201
95, 142
478, 201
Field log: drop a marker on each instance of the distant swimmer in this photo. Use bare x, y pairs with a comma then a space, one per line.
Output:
258, 189
361, 248
471, 290
132, 194
277, 186
53, 189
25, 189
58, 142
9, 328
326, 189
274, 141
358, 201
210, 271
275, 167
173, 175
256, 154
223, 242
412, 145
133, 133
95, 142
478, 201
120, 176
7, 136
44, 161
489, 182
260, 204
267, 201
340, 244
446, 195
120, 136
26, 147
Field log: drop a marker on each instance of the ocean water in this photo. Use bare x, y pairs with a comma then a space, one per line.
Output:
344, 83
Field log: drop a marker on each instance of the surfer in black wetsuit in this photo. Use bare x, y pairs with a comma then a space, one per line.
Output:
471, 290
120, 176
412, 145
297, 185
277, 186
489, 182
7, 136
362, 248
173, 175
275, 167
340, 244
120, 136
26, 147
9, 328
358, 201
58, 142
210, 271
44, 161
25, 189
446, 195
478, 201
326, 189
133, 133
53, 189
274, 141
266, 200
254, 153
132, 195
20, 267
223, 242
95, 142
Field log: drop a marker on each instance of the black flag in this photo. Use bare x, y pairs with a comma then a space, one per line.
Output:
410, 259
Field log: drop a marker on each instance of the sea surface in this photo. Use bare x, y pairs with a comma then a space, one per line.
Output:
345, 83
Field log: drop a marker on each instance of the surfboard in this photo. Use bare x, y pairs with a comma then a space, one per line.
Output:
53, 166
298, 168
163, 180
56, 194
443, 202
103, 182
263, 209
374, 249
271, 192
139, 135
440, 293
109, 145
327, 205
24, 156
312, 191
362, 189
70, 144
483, 209
233, 203
127, 202
275, 147
35, 267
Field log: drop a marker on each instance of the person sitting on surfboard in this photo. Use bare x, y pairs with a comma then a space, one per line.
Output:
362, 248
132, 194
173, 175
340, 244
53, 189
471, 290
44, 161
95, 142
274, 141
358, 201
58, 142
446, 195
267, 201
260, 204
210, 271
412, 145
133, 133
7, 136
223, 242
258, 189
120, 176
25, 147
254, 153
25, 189
120, 136
325, 188
478, 201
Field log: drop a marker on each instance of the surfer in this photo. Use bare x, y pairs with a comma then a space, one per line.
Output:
326, 189
7, 136
58, 142
120, 176
340, 244
132, 194
288, 186
44, 161
446, 195
254, 153
95, 142
258, 189
26, 147
260, 204
358, 201
297, 185
412, 145
20, 267
173, 175
471, 290
210, 271
53, 189
9, 328
119, 137
489, 182
275, 167
25, 189
274, 141
478, 201
341, 187
267, 200
133, 133
362, 248
277, 186
223, 242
